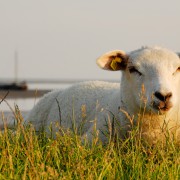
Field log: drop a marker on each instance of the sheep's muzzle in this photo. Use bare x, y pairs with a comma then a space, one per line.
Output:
163, 106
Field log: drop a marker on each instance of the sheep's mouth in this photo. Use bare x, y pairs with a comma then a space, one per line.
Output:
162, 106
165, 109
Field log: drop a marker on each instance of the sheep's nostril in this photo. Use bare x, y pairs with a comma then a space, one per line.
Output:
163, 97
168, 95
159, 96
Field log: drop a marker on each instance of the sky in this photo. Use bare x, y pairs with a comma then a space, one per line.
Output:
61, 39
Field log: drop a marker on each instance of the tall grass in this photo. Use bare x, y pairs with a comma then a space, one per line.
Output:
24, 154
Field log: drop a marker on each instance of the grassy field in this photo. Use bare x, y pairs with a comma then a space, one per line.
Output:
26, 155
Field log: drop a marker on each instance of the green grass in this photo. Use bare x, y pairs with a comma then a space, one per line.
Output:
27, 155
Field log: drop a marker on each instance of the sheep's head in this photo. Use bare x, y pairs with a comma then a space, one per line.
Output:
150, 72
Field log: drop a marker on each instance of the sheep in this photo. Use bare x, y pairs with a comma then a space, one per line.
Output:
149, 86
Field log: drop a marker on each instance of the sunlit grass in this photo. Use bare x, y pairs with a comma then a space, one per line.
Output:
24, 154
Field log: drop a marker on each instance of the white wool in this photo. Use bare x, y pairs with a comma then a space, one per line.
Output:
156, 70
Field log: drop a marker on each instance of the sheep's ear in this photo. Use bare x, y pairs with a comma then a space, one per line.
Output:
113, 61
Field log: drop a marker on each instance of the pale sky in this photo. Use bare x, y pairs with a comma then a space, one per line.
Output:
62, 38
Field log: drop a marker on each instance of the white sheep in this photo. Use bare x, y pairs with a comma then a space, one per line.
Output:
149, 86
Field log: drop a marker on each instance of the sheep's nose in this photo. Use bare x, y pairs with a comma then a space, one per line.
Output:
163, 97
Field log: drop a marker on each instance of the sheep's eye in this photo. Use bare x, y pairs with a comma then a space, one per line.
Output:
134, 70
178, 69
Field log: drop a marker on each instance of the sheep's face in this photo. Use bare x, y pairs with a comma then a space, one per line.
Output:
151, 77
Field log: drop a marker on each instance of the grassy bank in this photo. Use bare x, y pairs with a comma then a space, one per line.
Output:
26, 155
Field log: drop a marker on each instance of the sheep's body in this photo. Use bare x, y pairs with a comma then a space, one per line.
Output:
142, 78
63, 107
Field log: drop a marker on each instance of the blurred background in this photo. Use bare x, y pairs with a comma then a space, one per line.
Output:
47, 42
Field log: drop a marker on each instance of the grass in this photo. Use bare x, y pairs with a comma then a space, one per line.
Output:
27, 155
